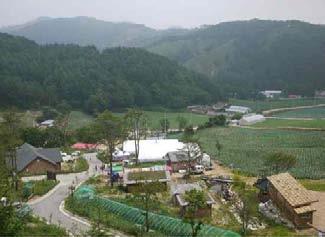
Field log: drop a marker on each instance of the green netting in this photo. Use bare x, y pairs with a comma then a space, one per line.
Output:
164, 224
85, 192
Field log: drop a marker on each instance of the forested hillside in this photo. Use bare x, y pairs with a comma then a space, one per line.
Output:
247, 56
33, 75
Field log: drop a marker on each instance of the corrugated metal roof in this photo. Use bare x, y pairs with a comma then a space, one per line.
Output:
291, 189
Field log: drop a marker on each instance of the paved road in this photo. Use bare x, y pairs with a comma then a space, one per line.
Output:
48, 206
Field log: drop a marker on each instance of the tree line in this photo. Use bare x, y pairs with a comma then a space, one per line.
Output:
32, 76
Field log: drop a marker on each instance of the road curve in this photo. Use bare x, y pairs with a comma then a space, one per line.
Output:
50, 206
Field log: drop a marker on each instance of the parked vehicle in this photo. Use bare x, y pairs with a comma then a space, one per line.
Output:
197, 169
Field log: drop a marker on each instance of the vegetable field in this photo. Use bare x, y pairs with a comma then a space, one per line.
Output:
259, 105
291, 123
315, 113
246, 149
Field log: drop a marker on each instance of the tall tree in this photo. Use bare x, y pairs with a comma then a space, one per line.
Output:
111, 131
10, 140
182, 122
147, 191
192, 150
137, 122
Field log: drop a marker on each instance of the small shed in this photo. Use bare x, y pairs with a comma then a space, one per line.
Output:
291, 198
178, 160
178, 191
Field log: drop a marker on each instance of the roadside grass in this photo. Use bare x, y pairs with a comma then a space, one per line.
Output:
290, 123
37, 227
35, 188
42, 187
314, 185
259, 105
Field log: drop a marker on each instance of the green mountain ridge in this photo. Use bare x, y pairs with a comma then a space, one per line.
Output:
84, 77
247, 56
242, 57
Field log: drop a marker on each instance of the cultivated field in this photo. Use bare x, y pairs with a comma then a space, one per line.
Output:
315, 113
291, 123
79, 119
259, 106
246, 149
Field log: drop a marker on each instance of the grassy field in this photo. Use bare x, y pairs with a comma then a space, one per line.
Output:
315, 113
246, 149
291, 123
79, 119
155, 117
315, 185
259, 106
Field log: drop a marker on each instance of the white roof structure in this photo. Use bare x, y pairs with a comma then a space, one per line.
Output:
153, 150
49, 123
251, 119
238, 109
271, 93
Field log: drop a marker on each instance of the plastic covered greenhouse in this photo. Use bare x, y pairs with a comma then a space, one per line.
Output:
164, 224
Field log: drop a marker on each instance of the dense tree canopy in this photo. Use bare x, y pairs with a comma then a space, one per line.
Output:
248, 56
82, 77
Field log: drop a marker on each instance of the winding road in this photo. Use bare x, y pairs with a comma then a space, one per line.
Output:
50, 206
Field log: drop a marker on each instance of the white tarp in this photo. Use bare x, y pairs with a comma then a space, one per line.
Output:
153, 150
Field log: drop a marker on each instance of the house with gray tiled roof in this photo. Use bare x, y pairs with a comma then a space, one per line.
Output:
32, 160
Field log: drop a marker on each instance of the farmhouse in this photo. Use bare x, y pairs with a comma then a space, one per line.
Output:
34, 160
251, 119
320, 94
133, 178
291, 198
271, 93
179, 160
178, 191
154, 149
233, 109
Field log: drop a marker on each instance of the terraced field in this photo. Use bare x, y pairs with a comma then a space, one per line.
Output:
246, 149
259, 105
79, 119
315, 113
291, 123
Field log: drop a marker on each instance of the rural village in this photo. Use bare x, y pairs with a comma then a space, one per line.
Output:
163, 180
153, 118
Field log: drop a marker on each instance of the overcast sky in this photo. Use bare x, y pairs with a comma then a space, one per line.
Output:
164, 13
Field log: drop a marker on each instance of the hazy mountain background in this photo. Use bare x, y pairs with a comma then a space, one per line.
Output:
243, 57
86, 31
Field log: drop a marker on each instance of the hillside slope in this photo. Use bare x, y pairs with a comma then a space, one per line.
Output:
33, 75
247, 56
